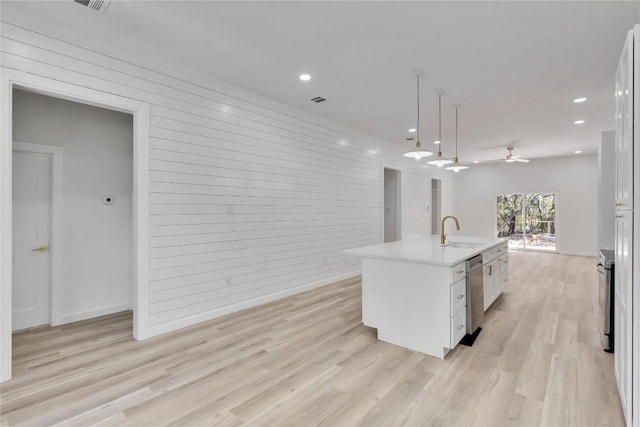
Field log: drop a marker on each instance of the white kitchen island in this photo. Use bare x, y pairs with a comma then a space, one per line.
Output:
414, 290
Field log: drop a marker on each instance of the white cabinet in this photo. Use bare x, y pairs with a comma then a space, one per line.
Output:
415, 305
624, 127
458, 302
414, 291
495, 273
627, 119
622, 317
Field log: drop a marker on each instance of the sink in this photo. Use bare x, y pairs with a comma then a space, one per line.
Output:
466, 245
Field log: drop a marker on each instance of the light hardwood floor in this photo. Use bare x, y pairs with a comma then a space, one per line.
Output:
307, 360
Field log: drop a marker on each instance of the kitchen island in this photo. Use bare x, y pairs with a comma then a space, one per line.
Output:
414, 290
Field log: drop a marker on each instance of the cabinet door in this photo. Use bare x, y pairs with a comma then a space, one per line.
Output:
503, 274
622, 308
624, 127
489, 283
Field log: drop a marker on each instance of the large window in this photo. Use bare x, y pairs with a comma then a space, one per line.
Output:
528, 220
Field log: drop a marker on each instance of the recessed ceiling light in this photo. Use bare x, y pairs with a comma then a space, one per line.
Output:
579, 100
305, 77
436, 142
476, 161
578, 122
577, 152
412, 130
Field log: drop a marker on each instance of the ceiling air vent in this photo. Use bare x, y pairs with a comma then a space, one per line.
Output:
318, 99
410, 139
96, 5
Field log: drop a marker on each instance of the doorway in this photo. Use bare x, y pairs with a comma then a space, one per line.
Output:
97, 193
392, 229
11, 80
436, 205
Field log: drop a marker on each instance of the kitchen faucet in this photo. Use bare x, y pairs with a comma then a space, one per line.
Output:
443, 235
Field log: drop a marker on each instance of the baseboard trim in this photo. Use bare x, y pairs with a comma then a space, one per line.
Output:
76, 317
222, 311
578, 253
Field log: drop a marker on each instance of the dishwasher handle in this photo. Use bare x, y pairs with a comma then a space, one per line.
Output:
475, 262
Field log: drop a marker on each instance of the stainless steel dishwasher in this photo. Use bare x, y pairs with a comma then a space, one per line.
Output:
475, 299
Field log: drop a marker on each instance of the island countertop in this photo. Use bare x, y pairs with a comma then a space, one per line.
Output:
428, 250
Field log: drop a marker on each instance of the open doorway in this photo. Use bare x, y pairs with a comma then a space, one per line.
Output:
436, 205
139, 235
96, 194
392, 229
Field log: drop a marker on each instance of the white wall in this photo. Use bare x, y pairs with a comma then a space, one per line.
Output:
574, 178
606, 190
98, 158
250, 199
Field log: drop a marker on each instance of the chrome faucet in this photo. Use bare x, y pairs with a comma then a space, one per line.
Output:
443, 235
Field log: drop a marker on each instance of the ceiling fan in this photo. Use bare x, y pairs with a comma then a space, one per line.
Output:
514, 158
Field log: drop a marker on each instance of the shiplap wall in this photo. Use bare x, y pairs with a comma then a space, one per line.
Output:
249, 199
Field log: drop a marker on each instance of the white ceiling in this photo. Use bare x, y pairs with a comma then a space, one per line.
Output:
514, 66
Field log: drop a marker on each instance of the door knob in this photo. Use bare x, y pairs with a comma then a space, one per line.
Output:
43, 248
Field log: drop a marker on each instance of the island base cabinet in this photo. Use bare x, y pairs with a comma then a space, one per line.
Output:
495, 273
410, 305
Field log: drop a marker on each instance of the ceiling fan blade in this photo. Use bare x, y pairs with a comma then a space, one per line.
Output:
518, 159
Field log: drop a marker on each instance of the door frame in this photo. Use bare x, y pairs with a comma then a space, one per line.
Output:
56, 236
398, 173
11, 79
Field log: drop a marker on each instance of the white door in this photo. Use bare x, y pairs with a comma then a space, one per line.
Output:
31, 231
622, 335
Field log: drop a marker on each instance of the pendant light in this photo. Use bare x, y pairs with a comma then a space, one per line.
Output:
456, 167
418, 153
440, 160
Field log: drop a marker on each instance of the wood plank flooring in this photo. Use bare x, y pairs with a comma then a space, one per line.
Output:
307, 360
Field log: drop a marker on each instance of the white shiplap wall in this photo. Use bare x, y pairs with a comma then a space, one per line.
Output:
249, 199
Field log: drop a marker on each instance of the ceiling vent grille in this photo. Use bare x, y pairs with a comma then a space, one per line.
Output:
96, 5
318, 99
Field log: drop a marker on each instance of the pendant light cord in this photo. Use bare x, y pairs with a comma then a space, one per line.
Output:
418, 102
456, 133
440, 118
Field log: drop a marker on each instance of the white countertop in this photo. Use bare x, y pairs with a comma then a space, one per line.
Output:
427, 249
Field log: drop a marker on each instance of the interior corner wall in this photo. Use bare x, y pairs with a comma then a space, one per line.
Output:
250, 200
98, 161
574, 178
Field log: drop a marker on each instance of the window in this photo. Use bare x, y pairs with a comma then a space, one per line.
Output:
528, 220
